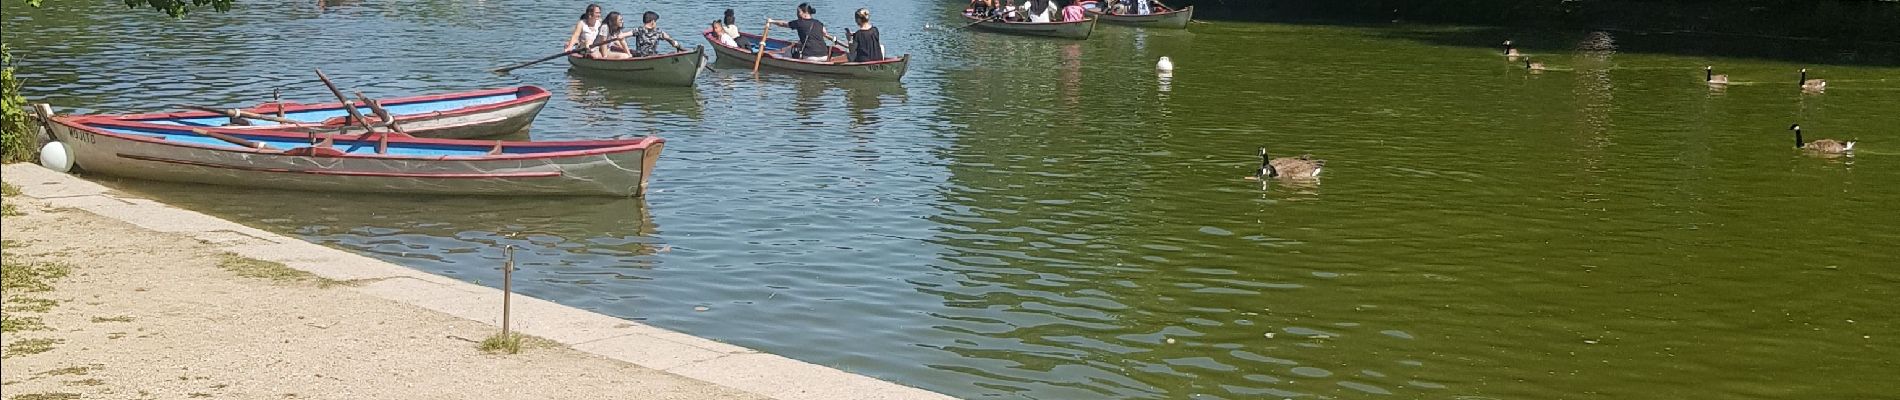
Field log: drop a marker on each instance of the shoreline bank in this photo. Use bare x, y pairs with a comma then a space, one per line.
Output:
357, 327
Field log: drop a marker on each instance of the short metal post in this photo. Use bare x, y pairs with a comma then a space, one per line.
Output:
507, 285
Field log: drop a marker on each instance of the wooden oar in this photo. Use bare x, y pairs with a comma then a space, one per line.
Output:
233, 139
245, 114
351, 108
980, 21
760, 58
382, 141
597, 43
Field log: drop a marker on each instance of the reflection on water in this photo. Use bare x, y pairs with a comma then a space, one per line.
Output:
1045, 219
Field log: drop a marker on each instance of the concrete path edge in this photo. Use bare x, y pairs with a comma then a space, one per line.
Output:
619, 339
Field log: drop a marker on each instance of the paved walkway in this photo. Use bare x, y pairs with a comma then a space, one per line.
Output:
168, 303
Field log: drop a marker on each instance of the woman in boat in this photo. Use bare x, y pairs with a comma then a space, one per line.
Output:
980, 8
1074, 12
585, 31
611, 32
865, 45
1039, 10
811, 35
646, 40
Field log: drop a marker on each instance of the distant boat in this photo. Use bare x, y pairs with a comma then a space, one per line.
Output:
889, 69
1066, 30
674, 69
1162, 17
401, 164
462, 115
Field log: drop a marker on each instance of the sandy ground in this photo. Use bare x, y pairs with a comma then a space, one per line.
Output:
149, 315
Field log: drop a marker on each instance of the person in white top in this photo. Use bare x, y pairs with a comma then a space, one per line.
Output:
727, 33
585, 32
1039, 11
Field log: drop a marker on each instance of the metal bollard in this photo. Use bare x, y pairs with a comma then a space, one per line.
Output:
507, 285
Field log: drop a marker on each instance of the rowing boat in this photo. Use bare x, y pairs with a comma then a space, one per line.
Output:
1066, 30
403, 164
1162, 17
675, 69
890, 69
463, 115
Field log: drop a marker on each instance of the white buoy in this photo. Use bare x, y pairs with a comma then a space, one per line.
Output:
1164, 65
55, 156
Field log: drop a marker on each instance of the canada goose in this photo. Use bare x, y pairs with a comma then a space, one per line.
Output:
1708, 74
1288, 168
1811, 85
1511, 50
1828, 146
1533, 66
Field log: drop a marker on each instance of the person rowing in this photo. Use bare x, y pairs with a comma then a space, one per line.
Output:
585, 32
812, 37
865, 44
646, 40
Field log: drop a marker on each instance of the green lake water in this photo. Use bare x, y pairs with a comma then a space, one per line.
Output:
1043, 219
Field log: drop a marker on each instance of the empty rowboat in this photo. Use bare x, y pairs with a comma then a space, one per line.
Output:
676, 69
1162, 17
889, 69
461, 115
1079, 30
399, 164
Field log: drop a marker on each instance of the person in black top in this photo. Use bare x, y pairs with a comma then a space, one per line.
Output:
864, 43
811, 35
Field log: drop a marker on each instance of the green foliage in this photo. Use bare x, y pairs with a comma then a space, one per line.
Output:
174, 8
16, 133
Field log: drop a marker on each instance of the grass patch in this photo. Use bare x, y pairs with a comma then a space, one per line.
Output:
30, 304
499, 344
513, 343
121, 318
86, 382
7, 209
18, 277
30, 347
274, 271
12, 323
66, 371
45, 396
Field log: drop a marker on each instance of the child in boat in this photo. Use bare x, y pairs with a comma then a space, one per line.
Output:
727, 33
646, 40
1074, 12
865, 45
585, 31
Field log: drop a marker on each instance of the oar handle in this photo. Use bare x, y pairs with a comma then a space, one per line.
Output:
245, 114
233, 139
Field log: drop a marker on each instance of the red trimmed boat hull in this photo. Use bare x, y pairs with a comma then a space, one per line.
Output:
412, 165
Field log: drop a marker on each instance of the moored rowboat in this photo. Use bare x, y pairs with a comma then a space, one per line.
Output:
1162, 17
1067, 30
887, 69
408, 165
676, 69
461, 115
